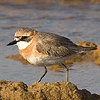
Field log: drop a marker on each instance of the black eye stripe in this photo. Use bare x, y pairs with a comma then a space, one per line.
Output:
21, 37
24, 37
17, 36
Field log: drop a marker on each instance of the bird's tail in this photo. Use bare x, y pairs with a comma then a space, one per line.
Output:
85, 49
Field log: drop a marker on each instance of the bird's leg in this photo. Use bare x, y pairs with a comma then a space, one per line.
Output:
43, 74
67, 72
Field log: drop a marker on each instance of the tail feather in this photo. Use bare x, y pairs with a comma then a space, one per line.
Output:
85, 49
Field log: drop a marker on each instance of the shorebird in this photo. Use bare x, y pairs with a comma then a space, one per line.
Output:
44, 49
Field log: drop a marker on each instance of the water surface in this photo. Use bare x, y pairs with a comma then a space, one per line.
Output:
80, 22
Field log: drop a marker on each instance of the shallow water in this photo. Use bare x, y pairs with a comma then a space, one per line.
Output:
76, 21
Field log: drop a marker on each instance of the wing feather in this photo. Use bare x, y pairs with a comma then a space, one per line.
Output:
54, 45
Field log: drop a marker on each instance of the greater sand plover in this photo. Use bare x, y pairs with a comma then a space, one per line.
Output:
44, 49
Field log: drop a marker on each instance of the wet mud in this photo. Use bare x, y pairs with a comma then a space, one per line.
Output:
43, 91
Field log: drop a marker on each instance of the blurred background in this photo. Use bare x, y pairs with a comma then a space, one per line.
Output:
78, 20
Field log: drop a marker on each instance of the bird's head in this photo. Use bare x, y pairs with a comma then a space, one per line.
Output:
23, 37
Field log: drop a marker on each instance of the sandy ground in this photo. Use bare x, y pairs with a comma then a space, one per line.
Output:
43, 91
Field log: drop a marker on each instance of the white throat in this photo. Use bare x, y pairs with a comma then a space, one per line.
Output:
23, 44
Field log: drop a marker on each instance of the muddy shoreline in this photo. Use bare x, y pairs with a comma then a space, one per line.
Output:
43, 91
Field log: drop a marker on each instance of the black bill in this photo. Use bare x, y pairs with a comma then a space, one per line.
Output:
12, 43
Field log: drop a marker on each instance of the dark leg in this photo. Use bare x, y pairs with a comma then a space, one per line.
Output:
43, 74
67, 72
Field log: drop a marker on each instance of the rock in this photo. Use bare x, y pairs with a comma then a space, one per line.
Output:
14, 91
86, 44
18, 58
43, 91
92, 56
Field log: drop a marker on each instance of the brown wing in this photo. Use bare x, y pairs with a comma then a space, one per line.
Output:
54, 45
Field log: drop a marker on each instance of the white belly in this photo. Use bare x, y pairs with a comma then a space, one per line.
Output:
46, 61
36, 60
